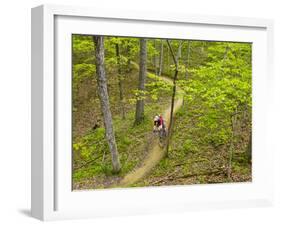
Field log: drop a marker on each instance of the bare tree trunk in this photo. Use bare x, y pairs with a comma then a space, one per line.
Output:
187, 64
225, 53
231, 146
249, 149
128, 49
104, 101
155, 57
170, 128
168, 59
179, 51
161, 58
187, 58
120, 81
142, 76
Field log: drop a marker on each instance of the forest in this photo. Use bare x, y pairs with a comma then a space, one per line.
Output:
153, 112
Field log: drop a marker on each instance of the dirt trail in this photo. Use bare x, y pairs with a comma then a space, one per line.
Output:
155, 152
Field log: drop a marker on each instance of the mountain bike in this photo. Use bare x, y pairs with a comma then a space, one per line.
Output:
162, 133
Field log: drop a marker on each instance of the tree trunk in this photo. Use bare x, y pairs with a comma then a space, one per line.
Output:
187, 59
128, 50
170, 128
179, 52
155, 57
161, 58
168, 60
249, 149
233, 120
187, 64
141, 87
225, 53
104, 101
120, 81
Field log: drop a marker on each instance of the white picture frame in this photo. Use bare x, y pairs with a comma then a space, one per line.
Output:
52, 197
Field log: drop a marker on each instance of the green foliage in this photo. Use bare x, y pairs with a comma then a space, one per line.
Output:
215, 81
82, 46
157, 86
164, 164
131, 141
91, 145
128, 50
189, 146
223, 87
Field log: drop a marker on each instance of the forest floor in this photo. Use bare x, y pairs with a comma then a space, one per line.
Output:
92, 165
192, 159
155, 152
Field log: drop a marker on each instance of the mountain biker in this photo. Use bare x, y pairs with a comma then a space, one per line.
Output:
156, 122
161, 127
161, 122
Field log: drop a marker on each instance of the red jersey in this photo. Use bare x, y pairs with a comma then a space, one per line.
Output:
161, 120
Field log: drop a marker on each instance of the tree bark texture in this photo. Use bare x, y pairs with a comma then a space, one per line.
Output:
187, 58
179, 51
249, 149
168, 59
161, 58
233, 120
187, 64
104, 101
120, 81
155, 57
170, 128
142, 77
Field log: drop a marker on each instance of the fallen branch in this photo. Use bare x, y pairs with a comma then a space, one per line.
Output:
87, 163
184, 163
169, 177
165, 178
179, 164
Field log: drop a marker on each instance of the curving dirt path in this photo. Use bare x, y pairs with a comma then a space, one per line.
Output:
155, 152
